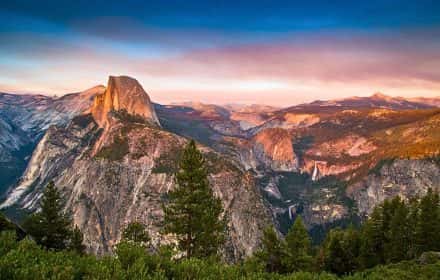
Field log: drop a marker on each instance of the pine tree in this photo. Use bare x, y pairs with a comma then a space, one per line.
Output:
428, 226
399, 235
335, 256
341, 251
297, 248
413, 217
76, 241
136, 232
272, 252
352, 243
193, 212
51, 226
372, 240
388, 207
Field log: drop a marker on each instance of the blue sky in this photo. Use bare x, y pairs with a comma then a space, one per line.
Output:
223, 51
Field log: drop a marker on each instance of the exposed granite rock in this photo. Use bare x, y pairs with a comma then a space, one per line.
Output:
323, 212
402, 177
273, 147
123, 93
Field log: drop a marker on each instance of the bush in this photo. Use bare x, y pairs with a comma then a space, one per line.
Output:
8, 242
26, 260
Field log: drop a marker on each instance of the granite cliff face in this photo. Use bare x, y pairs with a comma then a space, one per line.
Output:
269, 150
273, 147
402, 177
123, 93
121, 172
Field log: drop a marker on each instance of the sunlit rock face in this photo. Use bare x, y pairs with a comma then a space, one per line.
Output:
273, 146
123, 93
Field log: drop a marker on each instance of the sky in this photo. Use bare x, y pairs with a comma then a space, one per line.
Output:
269, 52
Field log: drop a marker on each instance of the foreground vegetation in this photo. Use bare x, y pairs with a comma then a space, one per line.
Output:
26, 260
400, 240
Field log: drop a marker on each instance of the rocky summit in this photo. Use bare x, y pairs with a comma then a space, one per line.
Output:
123, 93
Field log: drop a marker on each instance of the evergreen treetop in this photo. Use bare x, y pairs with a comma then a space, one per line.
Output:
50, 226
298, 248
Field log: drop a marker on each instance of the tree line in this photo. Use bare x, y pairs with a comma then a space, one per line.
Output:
397, 230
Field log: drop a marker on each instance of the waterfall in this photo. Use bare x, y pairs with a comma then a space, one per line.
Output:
315, 173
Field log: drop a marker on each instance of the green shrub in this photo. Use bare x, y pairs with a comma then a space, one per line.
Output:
8, 241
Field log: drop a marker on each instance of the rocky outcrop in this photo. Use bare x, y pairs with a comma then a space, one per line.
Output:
273, 147
319, 213
351, 145
123, 93
301, 120
402, 177
269, 150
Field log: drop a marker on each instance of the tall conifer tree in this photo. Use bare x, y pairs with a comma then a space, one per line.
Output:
372, 243
272, 252
193, 213
77, 241
399, 234
50, 227
298, 248
428, 227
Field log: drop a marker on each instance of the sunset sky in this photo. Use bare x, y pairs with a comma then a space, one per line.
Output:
271, 52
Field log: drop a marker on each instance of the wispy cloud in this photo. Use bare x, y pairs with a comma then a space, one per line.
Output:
217, 66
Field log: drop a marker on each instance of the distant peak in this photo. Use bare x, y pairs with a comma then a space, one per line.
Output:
380, 95
94, 90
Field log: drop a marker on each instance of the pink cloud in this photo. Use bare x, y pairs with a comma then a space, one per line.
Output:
293, 69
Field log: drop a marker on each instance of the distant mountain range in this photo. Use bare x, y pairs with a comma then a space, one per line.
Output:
112, 153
